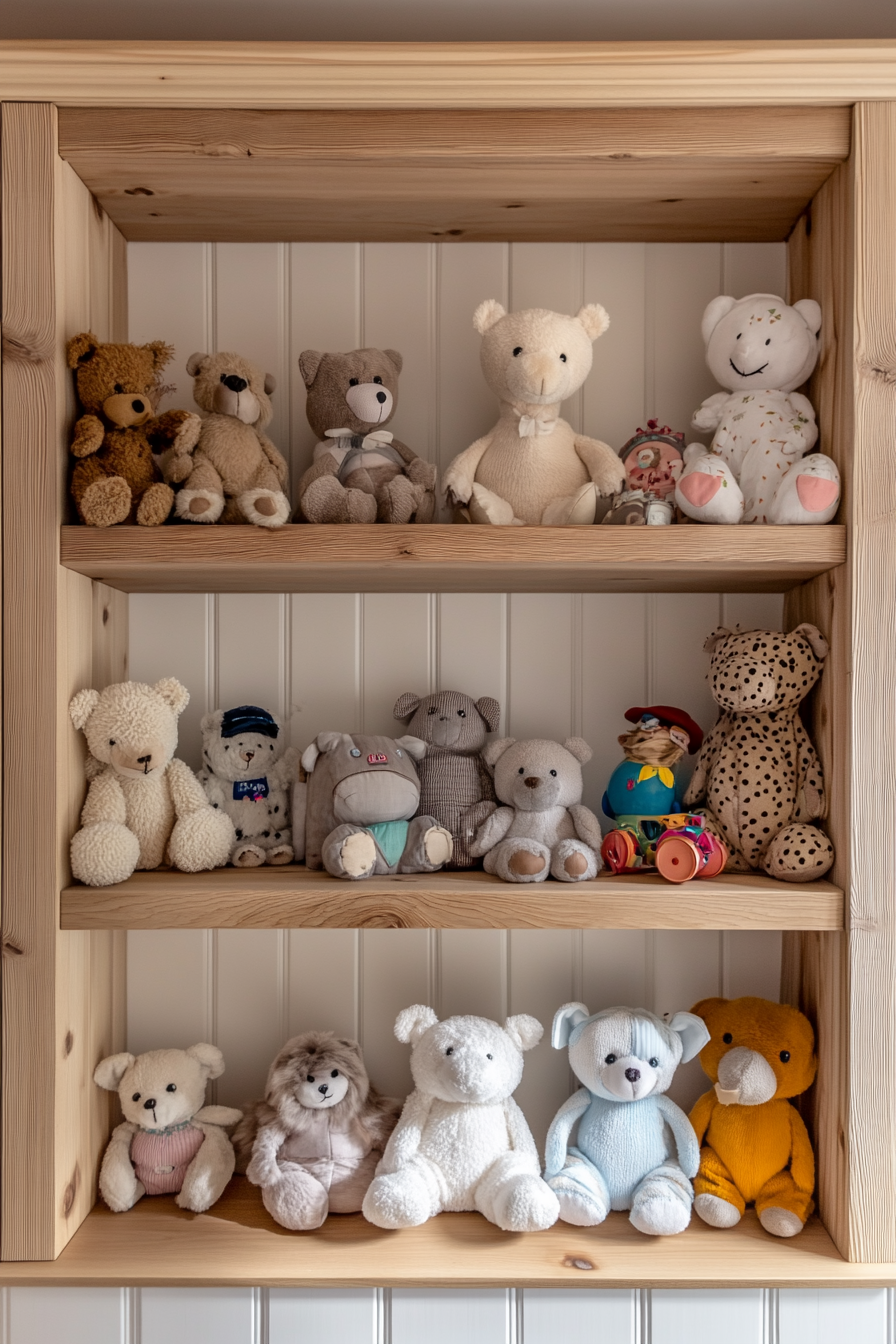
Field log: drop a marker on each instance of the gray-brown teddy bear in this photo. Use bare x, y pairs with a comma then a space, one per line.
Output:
455, 786
758, 779
360, 472
234, 474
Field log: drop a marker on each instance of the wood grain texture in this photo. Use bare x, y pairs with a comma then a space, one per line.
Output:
446, 74
293, 897
237, 1243
444, 558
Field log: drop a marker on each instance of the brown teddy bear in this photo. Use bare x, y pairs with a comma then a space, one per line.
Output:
758, 780
360, 473
116, 479
755, 1148
235, 474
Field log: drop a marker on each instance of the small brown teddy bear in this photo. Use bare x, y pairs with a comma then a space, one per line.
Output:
758, 780
455, 786
360, 473
235, 474
116, 479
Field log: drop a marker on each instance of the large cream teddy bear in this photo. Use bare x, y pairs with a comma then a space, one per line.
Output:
144, 807
532, 467
169, 1141
760, 349
462, 1142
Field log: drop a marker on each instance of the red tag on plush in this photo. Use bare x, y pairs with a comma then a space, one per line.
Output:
377, 758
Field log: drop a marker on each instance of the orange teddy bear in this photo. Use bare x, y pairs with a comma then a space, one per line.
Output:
755, 1148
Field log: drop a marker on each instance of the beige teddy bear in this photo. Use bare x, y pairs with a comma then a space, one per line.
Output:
533, 467
144, 807
169, 1141
234, 474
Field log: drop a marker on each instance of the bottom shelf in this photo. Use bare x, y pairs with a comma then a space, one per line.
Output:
238, 1244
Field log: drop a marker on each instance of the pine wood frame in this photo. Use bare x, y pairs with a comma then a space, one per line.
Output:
62, 999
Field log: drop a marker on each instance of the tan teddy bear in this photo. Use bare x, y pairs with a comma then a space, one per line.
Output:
144, 807
235, 474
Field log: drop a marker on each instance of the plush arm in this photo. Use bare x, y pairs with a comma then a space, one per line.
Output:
603, 465
263, 1168
521, 1140
696, 790
561, 1128
492, 831
810, 799
586, 824
802, 1158
708, 415
217, 1115
187, 793
214, 789
685, 1138
405, 1137
419, 471
105, 801
89, 435
119, 1185
804, 430
457, 483
275, 457
286, 772
701, 1114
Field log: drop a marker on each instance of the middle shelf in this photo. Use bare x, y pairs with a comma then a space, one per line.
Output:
292, 897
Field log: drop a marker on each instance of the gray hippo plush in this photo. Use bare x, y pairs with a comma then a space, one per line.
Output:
361, 795
455, 786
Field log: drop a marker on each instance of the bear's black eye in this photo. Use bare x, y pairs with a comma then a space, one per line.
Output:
226, 746
739, 335
310, 1078
518, 351
271, 748
111, 741
562, 359
119, 388
554, 772
353, 382
461, 713
489, 1056
610, 1059
727, 1038
135, 1097
522, 769
769, 341
378, 379
654, 1063
172, 1087
785, 1054
335, 1073
450, 1050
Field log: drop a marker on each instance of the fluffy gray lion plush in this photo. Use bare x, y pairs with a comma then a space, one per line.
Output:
314, 1142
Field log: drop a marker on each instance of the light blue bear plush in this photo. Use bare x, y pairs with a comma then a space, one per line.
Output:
635, 1149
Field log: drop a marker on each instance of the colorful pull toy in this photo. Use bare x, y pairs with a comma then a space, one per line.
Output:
679, 846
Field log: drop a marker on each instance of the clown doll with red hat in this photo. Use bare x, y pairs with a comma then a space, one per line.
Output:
643, 785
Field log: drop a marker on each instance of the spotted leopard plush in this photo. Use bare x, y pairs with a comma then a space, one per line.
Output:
758, 778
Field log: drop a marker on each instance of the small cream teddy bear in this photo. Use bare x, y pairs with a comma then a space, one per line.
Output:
247, 773
169, 1141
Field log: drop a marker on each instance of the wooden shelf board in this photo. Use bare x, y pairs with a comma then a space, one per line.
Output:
238, 1244
292, 897
450, 559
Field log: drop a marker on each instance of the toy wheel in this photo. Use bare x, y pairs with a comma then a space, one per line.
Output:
678, 859
619, 851
716, 859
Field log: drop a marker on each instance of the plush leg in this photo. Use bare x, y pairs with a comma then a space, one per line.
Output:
105, 501
264, 508
201, 840
398, 501
706, 490
201, 498
573, 861
572, 510
514, 1197
428, 847
155, 505
581, 1190
519, 861
406, 1198
716, 1198
661, 1205
297, 1201
103, 853
247, 855
782, 1207
349, 851
208, 1173
799, 853
326, 501
809, 492
281, 852
487, 507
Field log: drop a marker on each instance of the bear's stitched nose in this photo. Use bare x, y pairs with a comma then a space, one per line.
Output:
234, 383
149, 1104
532, 781
324, 1089
138, 407
633, 1075
381, 397
247, 755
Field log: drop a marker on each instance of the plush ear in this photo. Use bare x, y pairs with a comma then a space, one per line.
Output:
493, 751
577, 747
595, 319
413, 746
412, 1023
210, 1057
210, 723
270, 383
195, 362
173, 693
81, 349
110, 1071
713, 313
82, 706
491, 711
718, 636
487, 314
309, 363
524, 1031
395, 358
161, 353
820, 647
323, 742
406, 705
566, 1019
693, 1031
810, 312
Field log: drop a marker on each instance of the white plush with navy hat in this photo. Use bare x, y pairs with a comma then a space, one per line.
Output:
247, 773
634, 1148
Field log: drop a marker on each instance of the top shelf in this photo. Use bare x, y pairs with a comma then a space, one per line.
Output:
452, 559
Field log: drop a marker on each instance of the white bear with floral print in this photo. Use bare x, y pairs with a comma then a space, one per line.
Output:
760, 349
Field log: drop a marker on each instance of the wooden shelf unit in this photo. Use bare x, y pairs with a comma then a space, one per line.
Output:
814, 124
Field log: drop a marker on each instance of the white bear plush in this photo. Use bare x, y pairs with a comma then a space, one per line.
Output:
760, 349
544, 829
169, 1141
247, 773
462, 1142
533, 467
144, 807
635, 1149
